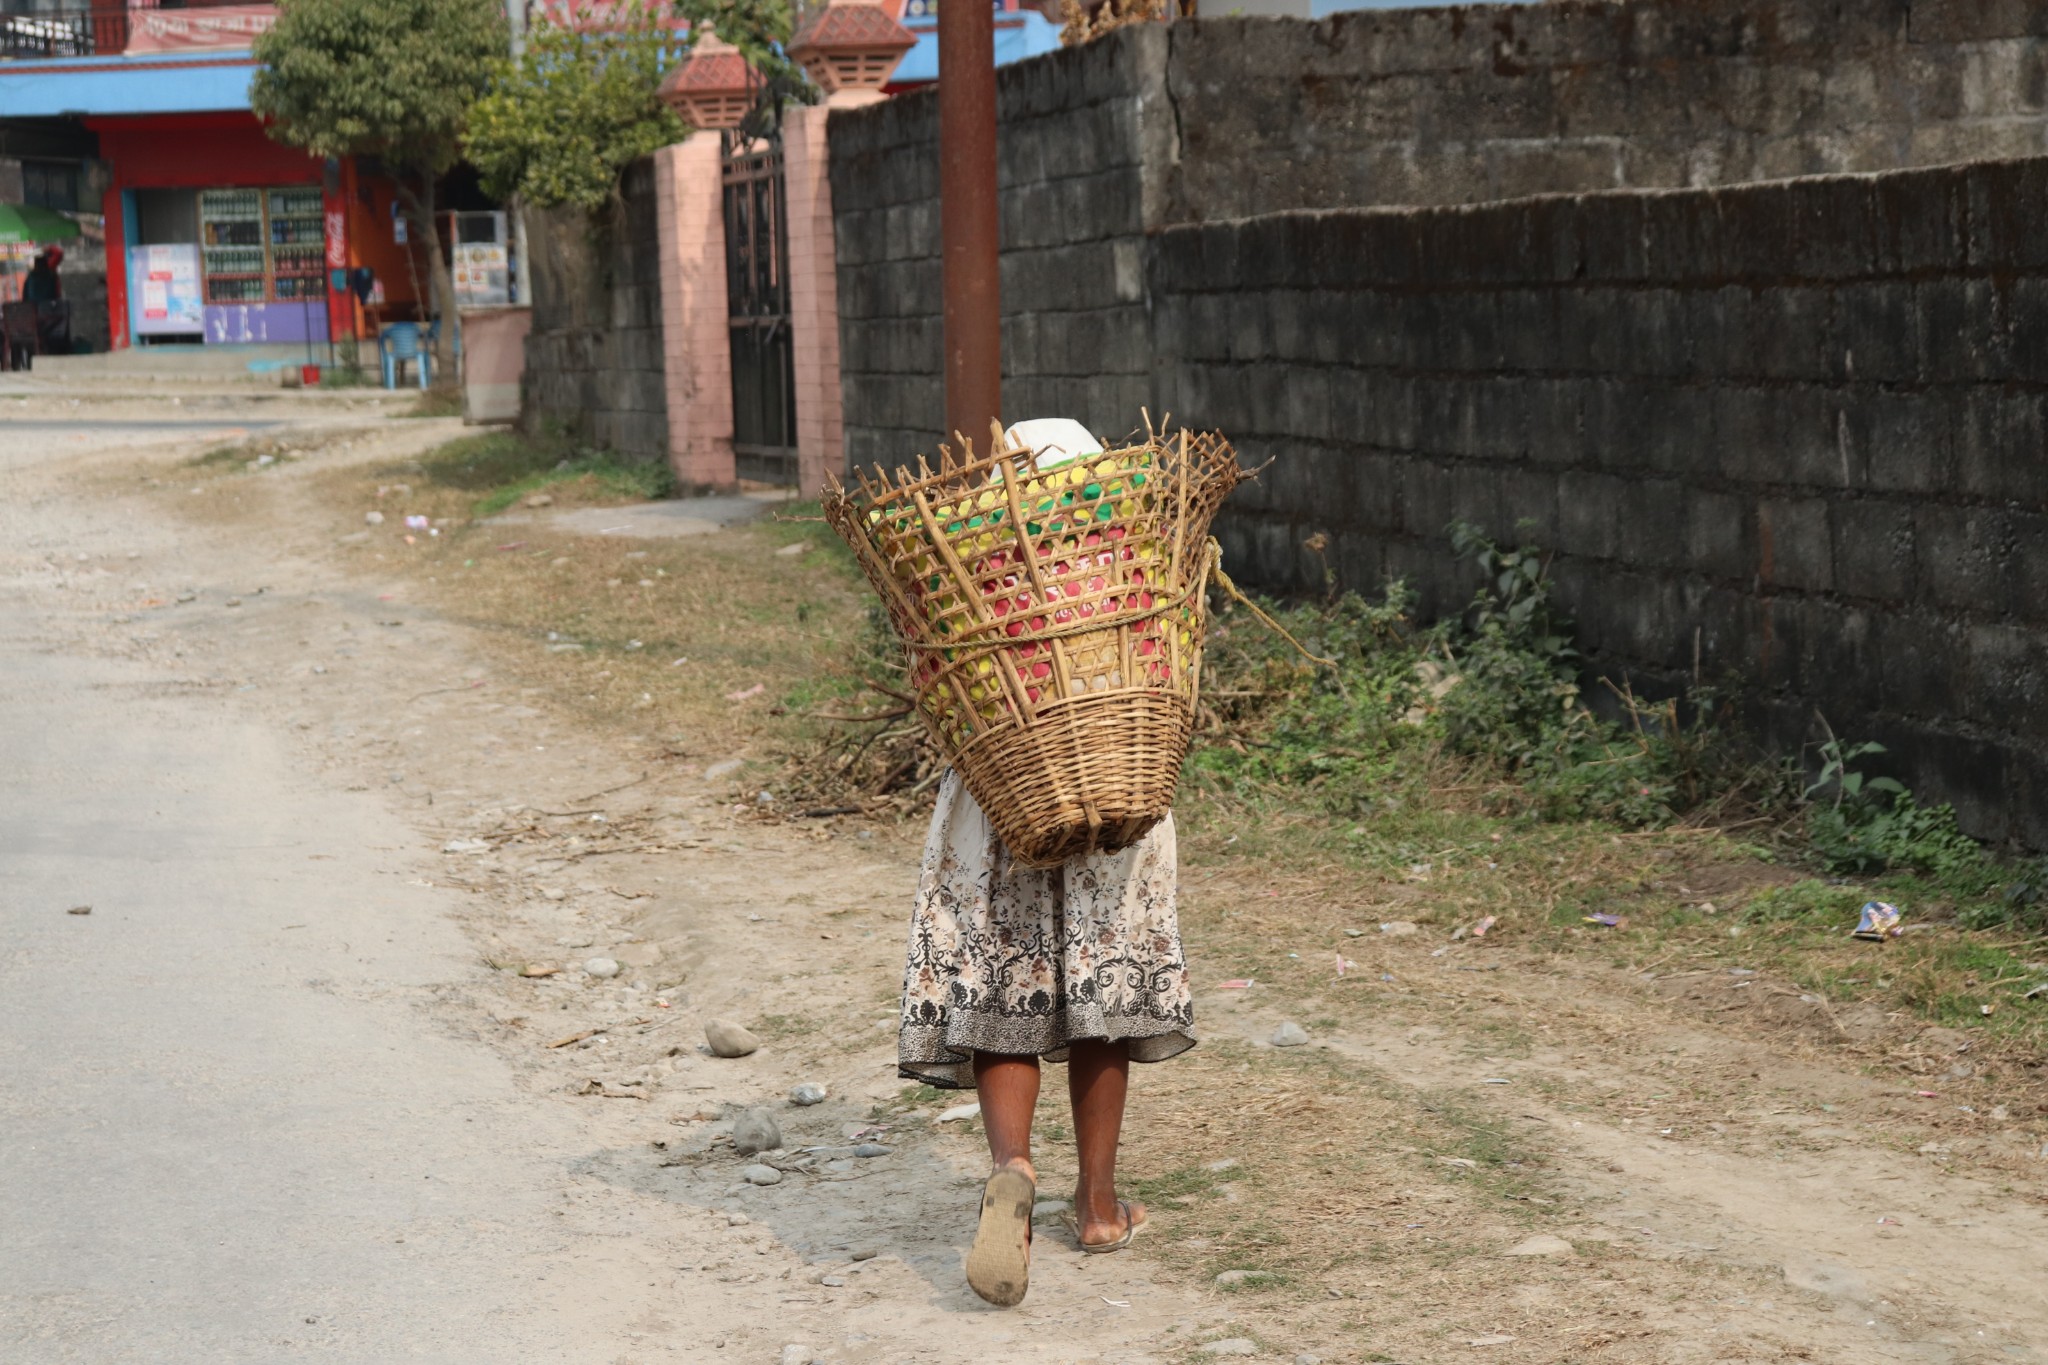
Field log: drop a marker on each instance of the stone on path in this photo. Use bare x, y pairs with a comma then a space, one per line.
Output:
960, 1111
1289, 1034
873, 1149
1245, 1279
758, 1174
729, 1039
1542, 1244
601, 967
1229, 1346
756, 1131
810, 1092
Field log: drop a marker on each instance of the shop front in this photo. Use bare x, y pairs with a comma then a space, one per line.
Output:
227, 237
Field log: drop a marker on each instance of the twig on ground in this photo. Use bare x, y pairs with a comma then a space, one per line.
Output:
621, 787
437, 691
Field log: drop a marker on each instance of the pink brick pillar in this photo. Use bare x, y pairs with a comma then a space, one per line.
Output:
814, 289
697, 350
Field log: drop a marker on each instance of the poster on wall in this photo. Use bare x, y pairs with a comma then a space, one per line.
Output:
482, 279
165, 280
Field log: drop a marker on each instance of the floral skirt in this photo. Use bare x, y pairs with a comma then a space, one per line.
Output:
1027, 960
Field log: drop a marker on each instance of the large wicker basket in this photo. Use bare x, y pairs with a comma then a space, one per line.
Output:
1053, 620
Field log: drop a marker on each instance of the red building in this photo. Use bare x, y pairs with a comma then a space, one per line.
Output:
215, 233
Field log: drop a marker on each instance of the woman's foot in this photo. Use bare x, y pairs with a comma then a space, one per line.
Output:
999, 1262
1111, 1233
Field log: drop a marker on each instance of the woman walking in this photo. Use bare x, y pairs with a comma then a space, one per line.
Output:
1010, 966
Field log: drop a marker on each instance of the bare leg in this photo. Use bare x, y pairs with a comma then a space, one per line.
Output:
999, 1262
1098, 1077
1008, 1087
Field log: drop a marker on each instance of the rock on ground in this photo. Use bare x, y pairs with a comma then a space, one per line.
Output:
759, 1174
756, 1131
1289, 1034
1229, 1346
729, 1039
810, 1092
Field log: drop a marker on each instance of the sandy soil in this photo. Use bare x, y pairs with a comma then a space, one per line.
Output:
1723, 1190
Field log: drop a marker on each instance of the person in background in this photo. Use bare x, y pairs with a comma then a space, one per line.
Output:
43, 284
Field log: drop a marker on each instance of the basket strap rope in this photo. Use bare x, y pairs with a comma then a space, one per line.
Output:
1215, 571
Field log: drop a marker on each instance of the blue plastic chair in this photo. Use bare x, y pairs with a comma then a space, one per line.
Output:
399, 342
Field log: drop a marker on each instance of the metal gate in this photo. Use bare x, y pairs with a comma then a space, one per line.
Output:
757, 300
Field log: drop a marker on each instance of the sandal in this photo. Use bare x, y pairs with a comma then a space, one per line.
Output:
1132, 1226
999, 1262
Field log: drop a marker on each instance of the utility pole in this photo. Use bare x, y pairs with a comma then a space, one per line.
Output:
522, 277
968, 218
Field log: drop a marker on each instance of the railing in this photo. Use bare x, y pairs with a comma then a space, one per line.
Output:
75, 30
78, 28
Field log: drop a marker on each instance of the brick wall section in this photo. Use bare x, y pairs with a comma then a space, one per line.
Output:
1459, 105
814, 289
1800, 427
1083, 135
697, 346
594, 365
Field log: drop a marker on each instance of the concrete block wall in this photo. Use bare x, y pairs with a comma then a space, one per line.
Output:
1227, 118
1463, 104
1083, 138
594, 360
1797, 431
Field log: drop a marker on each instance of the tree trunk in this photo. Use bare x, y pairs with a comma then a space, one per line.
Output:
419, 207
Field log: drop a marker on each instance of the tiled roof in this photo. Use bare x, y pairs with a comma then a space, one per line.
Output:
852, 23
713, 64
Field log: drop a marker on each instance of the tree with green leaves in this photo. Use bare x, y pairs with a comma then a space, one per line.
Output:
560, 124
393, 79
581, 103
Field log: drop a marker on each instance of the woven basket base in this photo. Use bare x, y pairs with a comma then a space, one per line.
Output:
1090, 776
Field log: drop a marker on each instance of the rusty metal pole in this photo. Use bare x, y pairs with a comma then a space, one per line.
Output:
967, 217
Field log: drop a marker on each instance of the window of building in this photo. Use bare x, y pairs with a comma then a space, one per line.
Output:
50, 185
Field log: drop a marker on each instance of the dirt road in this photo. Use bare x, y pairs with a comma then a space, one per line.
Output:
290, 1091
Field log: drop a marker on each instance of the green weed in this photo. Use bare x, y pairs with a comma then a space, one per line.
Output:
504, 467
437, 402
1491, 696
